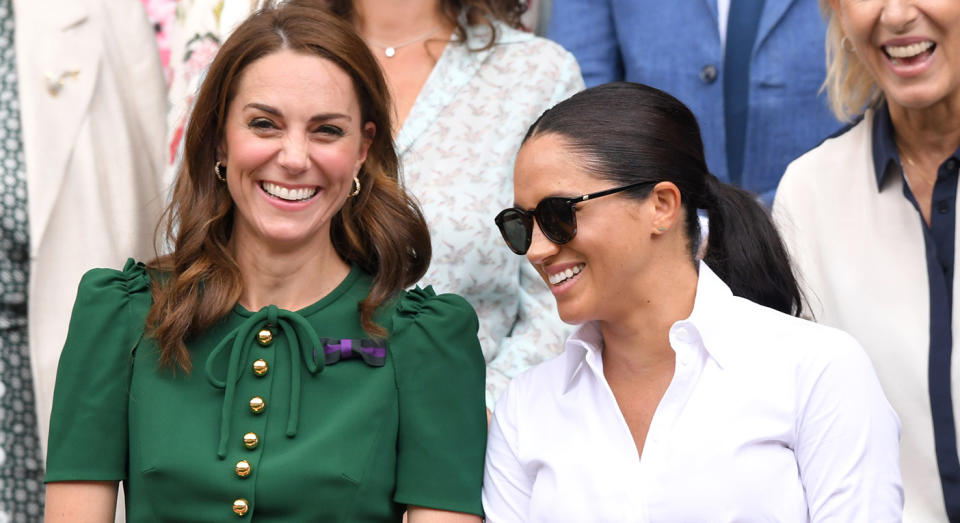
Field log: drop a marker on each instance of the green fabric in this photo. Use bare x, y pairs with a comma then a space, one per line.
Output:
366, 441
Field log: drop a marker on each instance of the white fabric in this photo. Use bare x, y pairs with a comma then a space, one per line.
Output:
860, 256
767, 418
93, 146
723, 13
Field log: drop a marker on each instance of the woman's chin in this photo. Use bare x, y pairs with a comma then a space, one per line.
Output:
923, 95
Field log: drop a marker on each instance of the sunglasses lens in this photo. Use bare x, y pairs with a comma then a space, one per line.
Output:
516, 228
557, 220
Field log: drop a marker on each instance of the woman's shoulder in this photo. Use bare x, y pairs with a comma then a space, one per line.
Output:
111, 284
427, 326
110, 298
797, 343
512, 41
424, 307
847, 149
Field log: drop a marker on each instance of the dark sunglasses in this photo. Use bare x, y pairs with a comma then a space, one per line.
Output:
556, 217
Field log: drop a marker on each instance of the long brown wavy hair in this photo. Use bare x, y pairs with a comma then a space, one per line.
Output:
381, 229
473, 12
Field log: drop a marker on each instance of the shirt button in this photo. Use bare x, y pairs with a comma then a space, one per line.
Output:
260, 367
683, 334
943, 208
240, 506
250, 440
265, 337
951, 164
257, 404
708, 74
243, 468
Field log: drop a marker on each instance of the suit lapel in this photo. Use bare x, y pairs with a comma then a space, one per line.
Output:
711, 6
57, 71
773, 11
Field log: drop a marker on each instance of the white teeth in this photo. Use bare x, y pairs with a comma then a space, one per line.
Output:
284, 193
562, 276
907, 51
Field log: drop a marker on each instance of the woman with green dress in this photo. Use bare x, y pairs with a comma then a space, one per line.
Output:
272, 367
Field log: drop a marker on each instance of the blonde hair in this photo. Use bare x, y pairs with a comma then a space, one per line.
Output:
851, 89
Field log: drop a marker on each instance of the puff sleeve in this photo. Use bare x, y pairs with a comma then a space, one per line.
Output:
88, 429
440, 380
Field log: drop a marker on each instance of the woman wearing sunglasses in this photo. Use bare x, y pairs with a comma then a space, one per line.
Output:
688, 392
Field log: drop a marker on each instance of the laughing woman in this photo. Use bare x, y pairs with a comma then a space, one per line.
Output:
870, 219
688, 392
272, 366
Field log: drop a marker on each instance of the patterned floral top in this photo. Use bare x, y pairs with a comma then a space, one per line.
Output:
457, 149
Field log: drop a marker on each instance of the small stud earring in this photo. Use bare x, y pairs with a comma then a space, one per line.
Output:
220, 171
661, 229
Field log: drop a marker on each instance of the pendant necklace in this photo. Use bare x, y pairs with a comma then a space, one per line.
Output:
390, 50
914, 170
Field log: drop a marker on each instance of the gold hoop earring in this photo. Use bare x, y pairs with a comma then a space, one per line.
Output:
356, 187
220, 171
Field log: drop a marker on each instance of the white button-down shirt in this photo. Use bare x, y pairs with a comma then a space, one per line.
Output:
767, 418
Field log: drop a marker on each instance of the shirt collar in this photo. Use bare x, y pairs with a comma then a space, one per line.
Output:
706, 325
586, 343
886, 157
713, 316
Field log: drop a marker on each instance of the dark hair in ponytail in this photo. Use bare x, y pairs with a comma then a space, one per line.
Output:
631, 133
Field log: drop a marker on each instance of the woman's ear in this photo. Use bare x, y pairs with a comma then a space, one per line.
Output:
667, 205
369, 131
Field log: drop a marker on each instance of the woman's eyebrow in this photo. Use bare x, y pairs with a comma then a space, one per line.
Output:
317, 117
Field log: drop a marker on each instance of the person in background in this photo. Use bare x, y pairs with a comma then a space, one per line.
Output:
271, 367
82, 99
750, 70
161, 13
687, 392
870, 219
466, 83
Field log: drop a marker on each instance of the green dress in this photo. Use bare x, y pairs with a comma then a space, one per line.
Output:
285, 416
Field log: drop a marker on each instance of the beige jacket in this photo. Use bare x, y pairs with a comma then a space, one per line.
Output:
92, 100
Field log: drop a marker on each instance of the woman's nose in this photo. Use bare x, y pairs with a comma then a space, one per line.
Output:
899, 15
541, 248
293, 154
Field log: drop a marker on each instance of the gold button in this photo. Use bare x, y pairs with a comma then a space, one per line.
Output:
265, 337
240, 506
243, 468
250, 440
260, 367
257, 404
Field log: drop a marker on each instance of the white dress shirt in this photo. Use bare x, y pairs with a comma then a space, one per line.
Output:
767, 418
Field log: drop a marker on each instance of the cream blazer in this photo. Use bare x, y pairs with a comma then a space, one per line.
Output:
859, 255
93, 104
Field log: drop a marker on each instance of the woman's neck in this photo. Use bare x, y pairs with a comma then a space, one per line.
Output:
397, 21
637, 335
288, 278
930, 134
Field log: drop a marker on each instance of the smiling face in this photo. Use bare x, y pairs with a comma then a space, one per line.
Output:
910, 47
594, 276
293, 142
